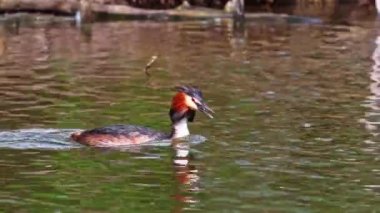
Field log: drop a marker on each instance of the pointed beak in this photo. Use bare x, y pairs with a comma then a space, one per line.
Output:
206, 110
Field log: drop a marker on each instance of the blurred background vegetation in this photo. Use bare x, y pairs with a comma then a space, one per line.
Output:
92, 8
251, 4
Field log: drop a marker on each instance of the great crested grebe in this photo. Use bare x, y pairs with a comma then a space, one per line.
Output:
184, 104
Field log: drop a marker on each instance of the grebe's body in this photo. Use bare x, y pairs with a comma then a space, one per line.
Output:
184, 104
117, 135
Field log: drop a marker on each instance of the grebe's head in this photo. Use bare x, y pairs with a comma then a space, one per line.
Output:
186, 102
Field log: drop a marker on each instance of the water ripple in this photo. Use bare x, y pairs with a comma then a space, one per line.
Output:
52, 139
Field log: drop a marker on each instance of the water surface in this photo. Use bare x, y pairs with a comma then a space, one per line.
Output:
296, 125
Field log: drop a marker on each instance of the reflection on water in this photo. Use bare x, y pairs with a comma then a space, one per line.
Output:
286, 137
186, 176
371, 120
371, 125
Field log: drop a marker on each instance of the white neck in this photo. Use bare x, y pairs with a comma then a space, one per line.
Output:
179, 129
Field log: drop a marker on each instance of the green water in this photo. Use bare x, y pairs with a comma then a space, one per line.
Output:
295, 130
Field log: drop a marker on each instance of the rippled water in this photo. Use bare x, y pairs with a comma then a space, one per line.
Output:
296, 125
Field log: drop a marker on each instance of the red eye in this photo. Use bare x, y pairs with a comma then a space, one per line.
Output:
195, 100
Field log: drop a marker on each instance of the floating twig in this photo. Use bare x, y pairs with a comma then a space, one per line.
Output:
149, 64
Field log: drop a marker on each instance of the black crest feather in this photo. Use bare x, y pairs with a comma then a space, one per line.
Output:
191, 91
